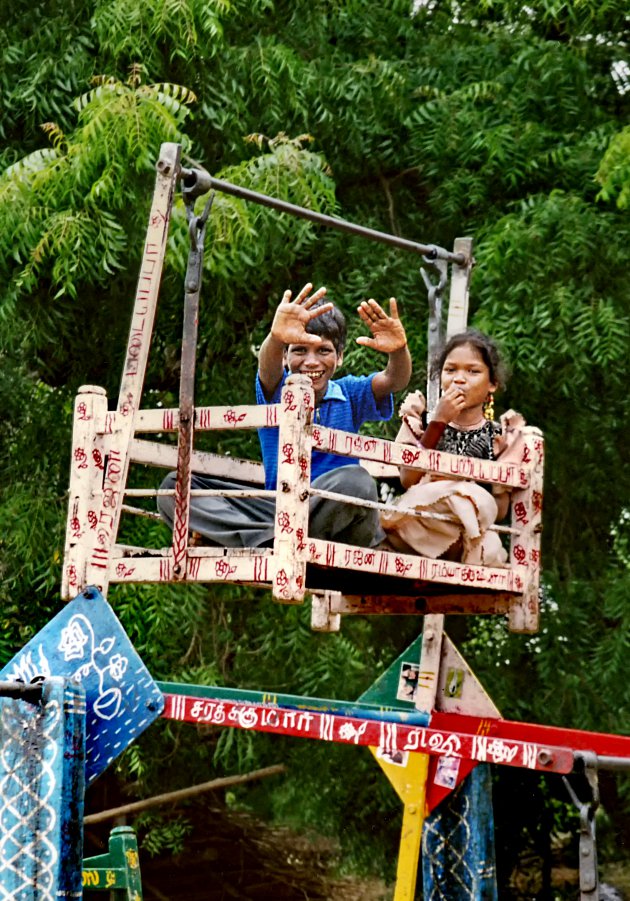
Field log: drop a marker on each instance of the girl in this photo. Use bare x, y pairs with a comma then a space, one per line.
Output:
463, 423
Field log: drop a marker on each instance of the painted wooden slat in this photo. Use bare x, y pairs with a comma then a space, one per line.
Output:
98, 525
526, 507
215, 564
165, 456
408, 566
244, 416
391, 711
292, 492
451, 465
497, 603
86, 517
119, 869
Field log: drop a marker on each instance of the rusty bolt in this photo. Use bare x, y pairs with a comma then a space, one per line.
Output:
545, 757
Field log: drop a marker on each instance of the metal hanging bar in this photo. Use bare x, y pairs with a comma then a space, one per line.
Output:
192, 290
435, 331
589, 881
206, 182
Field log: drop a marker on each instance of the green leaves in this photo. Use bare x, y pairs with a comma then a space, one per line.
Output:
614, 171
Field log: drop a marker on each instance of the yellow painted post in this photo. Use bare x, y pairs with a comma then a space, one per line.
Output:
409, 781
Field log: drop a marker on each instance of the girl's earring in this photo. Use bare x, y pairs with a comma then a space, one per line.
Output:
488, 408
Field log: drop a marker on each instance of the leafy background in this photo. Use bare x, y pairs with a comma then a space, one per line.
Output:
501, 121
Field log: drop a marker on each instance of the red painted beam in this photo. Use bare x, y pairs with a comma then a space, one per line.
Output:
601, 743
442, 742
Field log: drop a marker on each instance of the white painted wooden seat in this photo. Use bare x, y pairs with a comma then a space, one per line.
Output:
357, 580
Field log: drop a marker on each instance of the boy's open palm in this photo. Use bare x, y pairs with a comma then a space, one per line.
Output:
292, 316
388, 333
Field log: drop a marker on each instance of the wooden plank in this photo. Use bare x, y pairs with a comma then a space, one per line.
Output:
497, 604
292, 495
407, 773
99, 525
460, 283
384, 708
410, 566
430, 657
207, 419
42, 773
165, 456
86, 517
526, 507
601, 743
451, 465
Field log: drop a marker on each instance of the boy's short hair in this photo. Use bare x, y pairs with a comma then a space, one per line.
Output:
330, 325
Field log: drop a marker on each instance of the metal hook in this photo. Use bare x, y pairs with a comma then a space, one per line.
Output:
197, 224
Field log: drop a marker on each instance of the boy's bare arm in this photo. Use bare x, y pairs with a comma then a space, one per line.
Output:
388, 336
288, 327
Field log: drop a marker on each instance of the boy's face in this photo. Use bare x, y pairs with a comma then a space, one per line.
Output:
317, 361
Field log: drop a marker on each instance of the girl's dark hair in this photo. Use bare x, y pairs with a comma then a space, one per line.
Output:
487, 349
330, 325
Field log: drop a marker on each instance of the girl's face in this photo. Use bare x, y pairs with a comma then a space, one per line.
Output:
465, 371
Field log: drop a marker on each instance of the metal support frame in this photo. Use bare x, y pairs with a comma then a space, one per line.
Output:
589, 880
117, 871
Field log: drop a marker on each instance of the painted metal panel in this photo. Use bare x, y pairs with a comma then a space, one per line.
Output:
458, 844
42, 783
85, 642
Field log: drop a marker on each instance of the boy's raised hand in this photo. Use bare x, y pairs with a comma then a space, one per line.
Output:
388, 333
292, 316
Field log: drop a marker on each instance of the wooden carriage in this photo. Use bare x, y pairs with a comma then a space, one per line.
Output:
341, 579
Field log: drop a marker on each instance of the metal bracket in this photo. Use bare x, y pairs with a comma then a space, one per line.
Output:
435, 329
589, 881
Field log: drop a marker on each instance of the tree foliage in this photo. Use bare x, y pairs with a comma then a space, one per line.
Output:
429, 120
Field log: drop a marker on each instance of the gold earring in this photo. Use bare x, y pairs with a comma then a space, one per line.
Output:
488, 408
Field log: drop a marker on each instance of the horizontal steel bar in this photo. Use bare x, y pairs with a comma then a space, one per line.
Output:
21, 691
429, 250
613, 763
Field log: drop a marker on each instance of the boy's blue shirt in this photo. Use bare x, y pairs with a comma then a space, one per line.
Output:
347, 404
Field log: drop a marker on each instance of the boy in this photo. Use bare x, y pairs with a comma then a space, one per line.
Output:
307, 336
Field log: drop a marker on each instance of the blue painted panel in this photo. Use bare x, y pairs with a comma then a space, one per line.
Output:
86, 643
42, 785
458, 859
